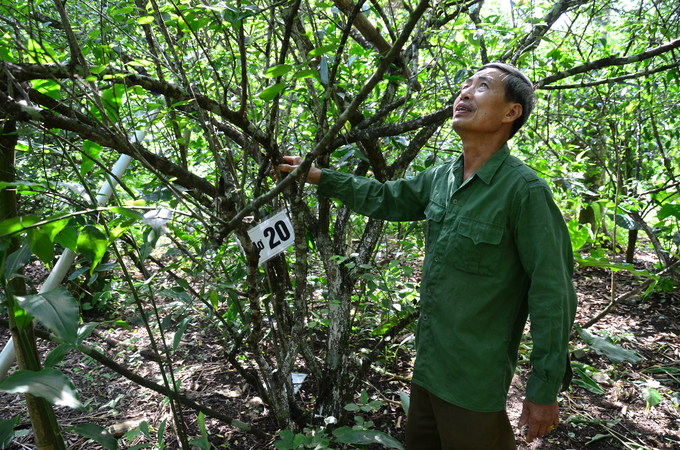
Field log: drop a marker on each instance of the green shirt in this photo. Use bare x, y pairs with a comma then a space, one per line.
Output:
497, 249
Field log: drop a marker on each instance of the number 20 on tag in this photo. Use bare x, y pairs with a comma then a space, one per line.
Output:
272, 236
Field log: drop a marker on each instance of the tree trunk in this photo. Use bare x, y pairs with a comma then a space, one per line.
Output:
39, 410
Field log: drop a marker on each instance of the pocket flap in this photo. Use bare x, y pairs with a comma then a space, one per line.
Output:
434, 211
480, 231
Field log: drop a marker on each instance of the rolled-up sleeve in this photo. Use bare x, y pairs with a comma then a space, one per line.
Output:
397, 201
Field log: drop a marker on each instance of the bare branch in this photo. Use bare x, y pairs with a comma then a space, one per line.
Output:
613, 80
608, 62
322, 146
105, 137
372, 35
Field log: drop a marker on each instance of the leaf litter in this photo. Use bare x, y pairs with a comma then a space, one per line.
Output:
616, 400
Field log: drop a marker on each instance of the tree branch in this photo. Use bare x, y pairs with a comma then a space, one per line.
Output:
637, 290
436, 118
130, 375
612, 80
27, 72
106, 138
372, 35
322, 146
608, 62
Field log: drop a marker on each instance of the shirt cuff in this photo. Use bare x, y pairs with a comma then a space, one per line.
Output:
326, 183
542, 392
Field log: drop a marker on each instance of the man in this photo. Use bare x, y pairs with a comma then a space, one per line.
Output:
497, 250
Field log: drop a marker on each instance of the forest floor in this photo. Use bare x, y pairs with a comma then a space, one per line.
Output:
617, 417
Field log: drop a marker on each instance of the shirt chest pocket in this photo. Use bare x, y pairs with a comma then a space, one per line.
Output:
475, 247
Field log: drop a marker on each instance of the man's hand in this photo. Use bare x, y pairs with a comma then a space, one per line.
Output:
541, 418
292, 163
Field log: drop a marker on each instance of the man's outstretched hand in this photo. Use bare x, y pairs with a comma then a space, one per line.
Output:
542, 419
292, 163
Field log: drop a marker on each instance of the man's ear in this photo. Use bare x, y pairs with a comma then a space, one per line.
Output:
512, 113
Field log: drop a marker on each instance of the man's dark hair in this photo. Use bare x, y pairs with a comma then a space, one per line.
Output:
518, 89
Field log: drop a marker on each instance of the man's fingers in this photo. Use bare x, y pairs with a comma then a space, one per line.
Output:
287, 167
524, 418
293, 160
533, 431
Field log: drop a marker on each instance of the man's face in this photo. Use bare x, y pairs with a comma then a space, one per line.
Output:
481, 105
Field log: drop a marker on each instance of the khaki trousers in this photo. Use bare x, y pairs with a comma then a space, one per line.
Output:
434, 424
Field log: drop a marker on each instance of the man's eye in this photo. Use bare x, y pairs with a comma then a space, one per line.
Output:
485, 85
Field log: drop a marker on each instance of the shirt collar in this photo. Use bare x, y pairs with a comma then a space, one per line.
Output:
490, 167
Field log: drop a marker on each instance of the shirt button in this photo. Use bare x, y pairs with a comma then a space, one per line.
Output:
429, 289
436, 259
454, 201
425, 317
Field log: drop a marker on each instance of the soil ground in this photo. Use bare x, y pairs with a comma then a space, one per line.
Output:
618, 417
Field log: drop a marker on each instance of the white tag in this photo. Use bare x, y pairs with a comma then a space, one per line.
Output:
272, 236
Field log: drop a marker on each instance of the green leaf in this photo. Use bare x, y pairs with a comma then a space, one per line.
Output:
365, 437
112, 98
93, 150
604, 346
22, 319
92, 243
85, 331
199, 443
307, 73
17, 224
180, 333
668, 210
7, 430
68, 238
651, 396
597, 437
277, 71
16, 261
144, 20
586, 382
57, 310
405, 401
50, 384
286, 441
123, 324
22, 184
116, 231
144, 428
202, 442
57, 355
54, 227
269, 93
578, 233
98, 434
624, 221
48, 87
351, 407
675, 399
41, 245
150, 238
363, 397
323, 49
161, 432
126, 212
602, 261
41, 52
